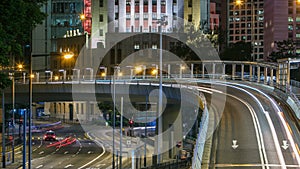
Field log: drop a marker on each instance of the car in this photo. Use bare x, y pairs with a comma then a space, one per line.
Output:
50, 136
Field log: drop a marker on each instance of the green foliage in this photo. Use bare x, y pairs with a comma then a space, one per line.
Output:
284, 49
239, 51
197, 44
18, 18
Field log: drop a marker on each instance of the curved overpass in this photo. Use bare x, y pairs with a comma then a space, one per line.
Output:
250, 117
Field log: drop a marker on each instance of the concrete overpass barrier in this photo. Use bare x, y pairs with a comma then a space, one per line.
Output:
201, 138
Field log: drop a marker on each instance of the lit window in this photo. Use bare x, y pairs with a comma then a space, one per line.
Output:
290, 19
137, 46
154, 46
297, 35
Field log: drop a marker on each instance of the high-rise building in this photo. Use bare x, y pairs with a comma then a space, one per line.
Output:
282, 22
63, 20
246, 23
131, 16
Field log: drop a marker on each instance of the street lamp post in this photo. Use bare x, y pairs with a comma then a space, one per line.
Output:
162, 22
114, 116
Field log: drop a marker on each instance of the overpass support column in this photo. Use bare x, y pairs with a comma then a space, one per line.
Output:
250, 73
180, 71
214, 70
271, 77
233, 71
203, 69
91, 74
242, 71
37, 77
258, 74
169, 71
192, 70
223, 69
266, 75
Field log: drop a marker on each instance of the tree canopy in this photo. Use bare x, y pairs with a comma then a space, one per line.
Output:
18, 18
284, 49
240, 51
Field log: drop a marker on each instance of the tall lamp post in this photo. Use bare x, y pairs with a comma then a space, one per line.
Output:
161, 22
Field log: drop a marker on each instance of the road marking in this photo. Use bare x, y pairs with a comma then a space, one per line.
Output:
42, 152
96, 157
285, 145
234, 145
90, 152
276, 141
40, 166
19, 152
100, 165
66, 152
284, 123
70, 165
258, 133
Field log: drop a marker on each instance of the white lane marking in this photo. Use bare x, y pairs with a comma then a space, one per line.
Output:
100, 165
42, 152
67, 166
258, 133
96, 157
271, 125
66, 152
276, 141
40, 166
90, 152
288, 133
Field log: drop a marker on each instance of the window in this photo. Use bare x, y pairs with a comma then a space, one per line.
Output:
101, 32
116, 16
190, 18
100, 3
154, 46
145, 15
100, 18
290, 27
190, 3
297, 19
154, 15
136, 46
297, 35
163, 6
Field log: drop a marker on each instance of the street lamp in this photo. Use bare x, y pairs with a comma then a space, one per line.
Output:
68, 56
163, 22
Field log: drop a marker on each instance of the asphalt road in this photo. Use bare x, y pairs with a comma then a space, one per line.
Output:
252, 132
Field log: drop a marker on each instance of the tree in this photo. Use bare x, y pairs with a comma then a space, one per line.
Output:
239, 51
284, 49
18, 18
196, 43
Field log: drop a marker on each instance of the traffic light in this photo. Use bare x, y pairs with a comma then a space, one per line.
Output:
131, 123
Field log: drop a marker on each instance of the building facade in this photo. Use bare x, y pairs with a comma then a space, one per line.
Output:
246, 23
63, 20
282, 22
